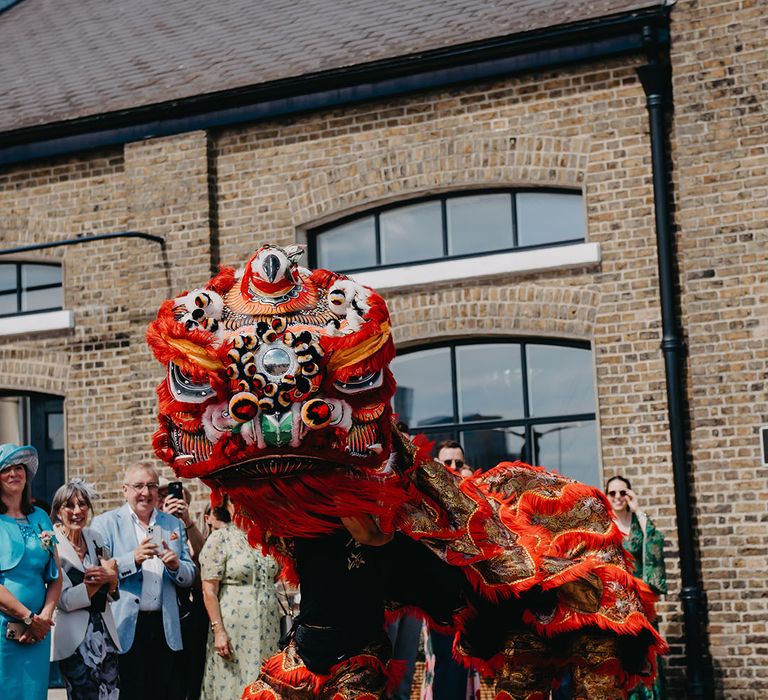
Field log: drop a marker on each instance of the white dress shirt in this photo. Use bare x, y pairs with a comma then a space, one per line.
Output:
151, 571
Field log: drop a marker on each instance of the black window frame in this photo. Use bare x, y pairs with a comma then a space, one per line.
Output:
527, 422
376, 212
20, 289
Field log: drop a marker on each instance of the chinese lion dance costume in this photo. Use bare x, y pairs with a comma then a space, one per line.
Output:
277, 393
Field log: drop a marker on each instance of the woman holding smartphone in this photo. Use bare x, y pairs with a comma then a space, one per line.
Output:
85, 641
646, 545
29, 579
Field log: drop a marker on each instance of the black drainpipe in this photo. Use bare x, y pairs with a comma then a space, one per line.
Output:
656, 80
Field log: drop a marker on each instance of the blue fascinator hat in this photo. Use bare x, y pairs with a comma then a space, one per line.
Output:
11, 454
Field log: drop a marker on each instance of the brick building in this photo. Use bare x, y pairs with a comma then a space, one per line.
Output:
354, 126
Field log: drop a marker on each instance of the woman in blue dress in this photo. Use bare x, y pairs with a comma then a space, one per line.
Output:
29, 579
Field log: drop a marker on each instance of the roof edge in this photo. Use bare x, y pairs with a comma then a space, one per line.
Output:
595, 39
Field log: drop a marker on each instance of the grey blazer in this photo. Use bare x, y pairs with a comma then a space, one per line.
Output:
71, 616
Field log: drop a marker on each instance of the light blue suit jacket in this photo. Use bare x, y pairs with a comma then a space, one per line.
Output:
117, 530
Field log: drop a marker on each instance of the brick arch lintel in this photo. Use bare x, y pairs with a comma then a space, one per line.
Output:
484, 311
360, 179
25, 370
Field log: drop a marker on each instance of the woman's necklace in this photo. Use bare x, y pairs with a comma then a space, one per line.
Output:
78, 546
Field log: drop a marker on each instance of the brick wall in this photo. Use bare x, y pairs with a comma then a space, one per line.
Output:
216, 197
719, 137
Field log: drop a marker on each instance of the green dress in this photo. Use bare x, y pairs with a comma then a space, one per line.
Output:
25, 568
250, 611
648, 553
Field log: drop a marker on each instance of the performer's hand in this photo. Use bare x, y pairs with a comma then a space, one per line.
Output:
221, 644
365, 530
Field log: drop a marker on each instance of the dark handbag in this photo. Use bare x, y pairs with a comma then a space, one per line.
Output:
99, 599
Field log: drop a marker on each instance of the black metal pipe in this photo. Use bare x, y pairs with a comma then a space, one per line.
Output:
655, 78
84, 239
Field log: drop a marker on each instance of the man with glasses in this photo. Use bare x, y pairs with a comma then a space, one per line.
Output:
451, 454
150, 547
446, 679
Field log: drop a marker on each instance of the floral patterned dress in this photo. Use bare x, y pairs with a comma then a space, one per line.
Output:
648, 551
91, 673
250, 611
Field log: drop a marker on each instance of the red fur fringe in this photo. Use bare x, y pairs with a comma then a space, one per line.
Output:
223, 282
309, 505
325, 278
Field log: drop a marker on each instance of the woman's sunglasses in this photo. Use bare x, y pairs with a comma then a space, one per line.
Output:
457, 463
614, 494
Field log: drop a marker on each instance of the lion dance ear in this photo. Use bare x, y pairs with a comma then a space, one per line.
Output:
369, 347
191, 349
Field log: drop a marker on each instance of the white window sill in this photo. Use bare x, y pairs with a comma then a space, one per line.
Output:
37, 323
538, 260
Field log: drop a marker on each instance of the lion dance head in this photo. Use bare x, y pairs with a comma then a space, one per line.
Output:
277, 390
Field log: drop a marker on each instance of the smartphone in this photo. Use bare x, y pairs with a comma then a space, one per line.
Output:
176, 489
14, 630
155, 534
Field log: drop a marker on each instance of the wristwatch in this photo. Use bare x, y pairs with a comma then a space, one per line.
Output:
28, 619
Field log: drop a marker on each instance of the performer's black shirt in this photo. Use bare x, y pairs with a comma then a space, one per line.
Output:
339, 582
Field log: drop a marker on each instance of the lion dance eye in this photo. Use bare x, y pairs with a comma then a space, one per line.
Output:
364, 382
244, 407
316, 414
184, 388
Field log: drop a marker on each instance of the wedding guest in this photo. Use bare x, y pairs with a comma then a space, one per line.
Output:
242, 604
30, 583
646, 545
152, 562
85, 641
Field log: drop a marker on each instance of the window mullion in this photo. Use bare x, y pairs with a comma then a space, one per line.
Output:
513, 198
18, 288
455, 382
444, 216
524, 372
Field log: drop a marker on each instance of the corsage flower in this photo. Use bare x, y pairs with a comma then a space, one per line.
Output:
47, 540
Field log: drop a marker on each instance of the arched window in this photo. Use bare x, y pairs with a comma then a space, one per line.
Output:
451, 226
531, 400
27, 288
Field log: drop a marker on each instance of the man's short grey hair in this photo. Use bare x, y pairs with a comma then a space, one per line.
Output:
140, 466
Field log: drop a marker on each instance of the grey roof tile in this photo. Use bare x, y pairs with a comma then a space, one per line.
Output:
65, 59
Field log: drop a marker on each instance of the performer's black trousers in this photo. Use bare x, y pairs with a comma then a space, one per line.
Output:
146, 668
